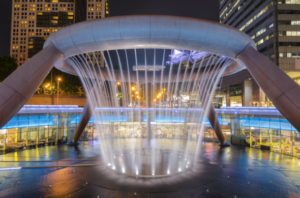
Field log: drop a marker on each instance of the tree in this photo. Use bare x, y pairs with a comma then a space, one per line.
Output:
69, 85
8, 64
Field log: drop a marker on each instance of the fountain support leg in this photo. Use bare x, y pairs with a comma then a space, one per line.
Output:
214, 121
283, 91
84, 120
213, 118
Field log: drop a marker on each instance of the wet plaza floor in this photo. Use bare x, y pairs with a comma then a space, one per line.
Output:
64, 171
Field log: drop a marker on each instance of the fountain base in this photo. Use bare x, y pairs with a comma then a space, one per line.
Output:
150, 163
149, 156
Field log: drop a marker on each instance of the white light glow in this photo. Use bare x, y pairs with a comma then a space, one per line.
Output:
12, 168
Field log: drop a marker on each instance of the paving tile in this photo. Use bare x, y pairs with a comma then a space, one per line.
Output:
166, 195
203, 192
93, 191
120, 194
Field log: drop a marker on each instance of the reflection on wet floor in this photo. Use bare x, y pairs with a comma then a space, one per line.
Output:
228, 172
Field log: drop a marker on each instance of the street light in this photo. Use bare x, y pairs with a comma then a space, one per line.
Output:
137, 92
118, 83
58, 80
45, 87
132, 88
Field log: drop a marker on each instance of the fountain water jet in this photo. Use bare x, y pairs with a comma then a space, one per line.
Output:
143, 156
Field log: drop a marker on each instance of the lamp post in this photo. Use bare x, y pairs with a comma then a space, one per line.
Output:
58, 80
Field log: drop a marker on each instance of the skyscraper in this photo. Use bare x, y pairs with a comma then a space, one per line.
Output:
274, 25
33, 21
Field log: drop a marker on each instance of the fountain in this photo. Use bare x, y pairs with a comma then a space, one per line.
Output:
158, 90
154, 149
140, 73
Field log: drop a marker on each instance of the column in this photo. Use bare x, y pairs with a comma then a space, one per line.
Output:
47, 135
250, 139
4, 143
27, 137
16, 136
247, 92
293, 143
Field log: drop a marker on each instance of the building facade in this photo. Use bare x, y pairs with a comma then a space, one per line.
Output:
274, 25
33, 21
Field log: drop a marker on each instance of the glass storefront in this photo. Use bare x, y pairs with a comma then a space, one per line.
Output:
269, 132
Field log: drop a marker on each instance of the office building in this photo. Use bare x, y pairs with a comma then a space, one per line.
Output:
33, 21
274, 27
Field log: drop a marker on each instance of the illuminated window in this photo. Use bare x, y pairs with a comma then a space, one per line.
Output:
55, 17
70, 17
54, 21
39, 13
70, 13
55, 1
260, 42
295, 22
256, 16
260, 32
30, 46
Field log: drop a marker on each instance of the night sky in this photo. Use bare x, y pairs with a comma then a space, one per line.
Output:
205, 9
5, 16
191, 8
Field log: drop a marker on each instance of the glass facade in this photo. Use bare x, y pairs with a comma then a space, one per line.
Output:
261, 129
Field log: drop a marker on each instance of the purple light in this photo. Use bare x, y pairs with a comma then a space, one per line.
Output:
182, 55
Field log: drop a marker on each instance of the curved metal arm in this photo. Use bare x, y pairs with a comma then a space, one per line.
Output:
283, 91
18, 88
